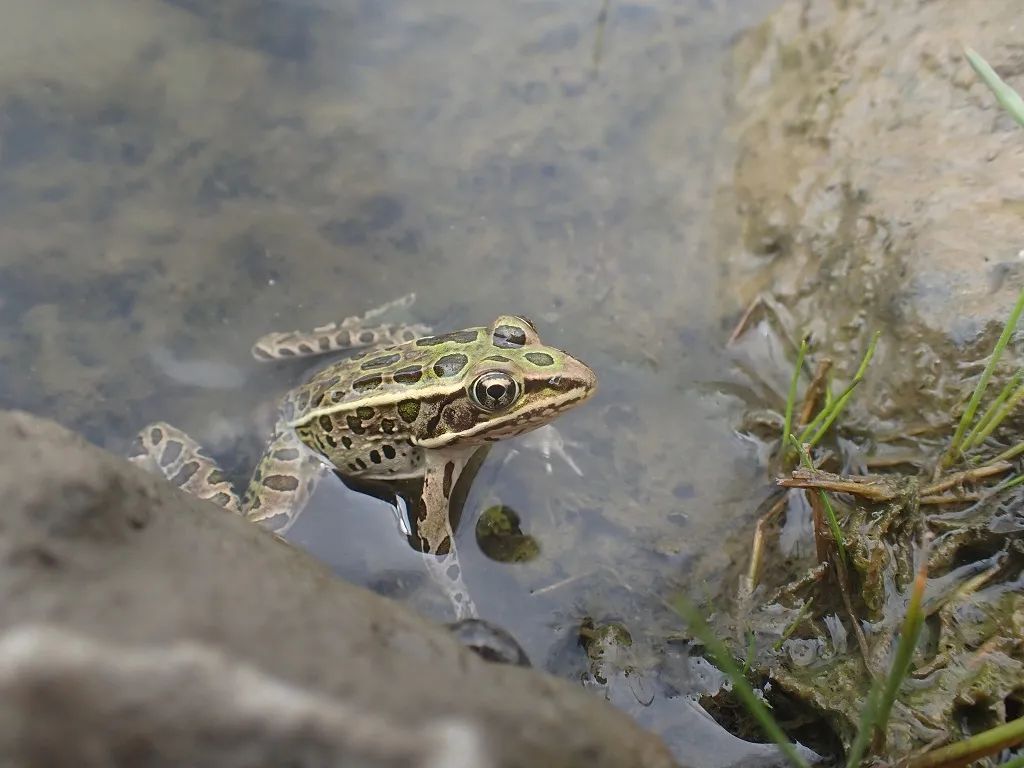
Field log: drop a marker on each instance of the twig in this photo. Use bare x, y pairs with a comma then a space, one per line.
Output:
814, 390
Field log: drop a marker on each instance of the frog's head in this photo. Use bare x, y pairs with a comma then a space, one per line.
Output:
512, 383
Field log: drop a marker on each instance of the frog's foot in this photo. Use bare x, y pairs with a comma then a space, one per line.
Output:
547, 441
446, 572
166, 450
351, 333
282, 482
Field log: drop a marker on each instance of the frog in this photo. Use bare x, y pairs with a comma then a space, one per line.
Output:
405, 404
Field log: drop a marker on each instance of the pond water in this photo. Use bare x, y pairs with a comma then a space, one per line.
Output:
178, 178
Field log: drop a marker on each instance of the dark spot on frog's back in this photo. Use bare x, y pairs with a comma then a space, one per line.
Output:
381, 362
508, 337
450, 365
364, 412
542, 359
365, 384
498, 358
326, 424
457, 337
330, 383
408, 375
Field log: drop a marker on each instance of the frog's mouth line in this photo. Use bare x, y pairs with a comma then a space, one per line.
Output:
551, 407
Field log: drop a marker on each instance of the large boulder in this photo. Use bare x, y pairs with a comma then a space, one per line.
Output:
877, 186
142, 627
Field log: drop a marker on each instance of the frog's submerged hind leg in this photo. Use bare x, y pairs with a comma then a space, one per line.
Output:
166, 450
280, 487
351, 333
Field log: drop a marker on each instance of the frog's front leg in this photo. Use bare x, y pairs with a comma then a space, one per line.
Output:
351, 333
434, 529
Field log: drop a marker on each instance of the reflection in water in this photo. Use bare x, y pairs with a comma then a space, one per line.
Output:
183, 181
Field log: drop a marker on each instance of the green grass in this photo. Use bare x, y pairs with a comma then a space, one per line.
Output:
791, 396
821, 423
955, 449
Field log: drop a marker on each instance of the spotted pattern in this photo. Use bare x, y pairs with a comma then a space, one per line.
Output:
446, 483
381, 362
542, 359
450, 365
171, 452
326, 424
184, 474
509, 337
408, 375
364, 384
409, 410
282, 483
458, 337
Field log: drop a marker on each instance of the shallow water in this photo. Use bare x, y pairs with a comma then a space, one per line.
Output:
178, 178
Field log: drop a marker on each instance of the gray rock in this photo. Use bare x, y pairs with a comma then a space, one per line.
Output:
116, 705
877, 186
142, 627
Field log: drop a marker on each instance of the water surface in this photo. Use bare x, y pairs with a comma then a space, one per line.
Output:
180, 177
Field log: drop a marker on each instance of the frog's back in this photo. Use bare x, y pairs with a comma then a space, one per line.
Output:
384, 375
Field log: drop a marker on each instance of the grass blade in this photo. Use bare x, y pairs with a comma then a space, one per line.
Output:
972, 405
993, 416
1005, 95
744, 692
829, 414
791, 396
868, 718
1010, 453
978, 746
912, 623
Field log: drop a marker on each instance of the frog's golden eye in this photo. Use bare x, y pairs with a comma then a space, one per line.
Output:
493, 391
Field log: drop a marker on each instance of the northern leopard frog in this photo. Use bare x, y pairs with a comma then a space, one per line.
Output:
408, 406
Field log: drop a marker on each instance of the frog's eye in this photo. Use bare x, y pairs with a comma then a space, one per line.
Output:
493, 391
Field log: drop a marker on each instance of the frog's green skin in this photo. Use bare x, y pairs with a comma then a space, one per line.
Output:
410, 406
